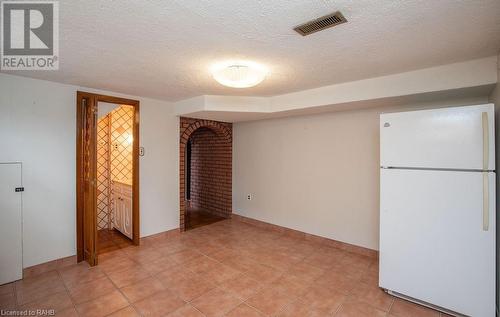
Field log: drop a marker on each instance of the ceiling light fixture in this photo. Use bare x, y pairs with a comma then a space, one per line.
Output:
239, 74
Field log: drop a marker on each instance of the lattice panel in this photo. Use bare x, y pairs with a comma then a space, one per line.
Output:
103, 174
122, 121
87, 151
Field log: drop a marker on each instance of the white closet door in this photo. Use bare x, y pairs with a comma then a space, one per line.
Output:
11, 259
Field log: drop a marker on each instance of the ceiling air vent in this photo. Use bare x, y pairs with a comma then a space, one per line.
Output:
320, 24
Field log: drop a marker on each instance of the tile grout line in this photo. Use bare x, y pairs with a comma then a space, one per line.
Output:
14, 288
67, 291
150, 276
194, 307
120, 291
337, 310
247, 303
390, 306
215, 285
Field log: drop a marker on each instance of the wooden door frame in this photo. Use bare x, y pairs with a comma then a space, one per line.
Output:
79, 166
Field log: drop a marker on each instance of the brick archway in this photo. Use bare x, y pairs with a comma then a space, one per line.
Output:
223, 130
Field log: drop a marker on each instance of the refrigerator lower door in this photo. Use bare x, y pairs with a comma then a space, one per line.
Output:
433, 246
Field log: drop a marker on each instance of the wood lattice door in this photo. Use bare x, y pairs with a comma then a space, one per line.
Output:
87, 171
89, 155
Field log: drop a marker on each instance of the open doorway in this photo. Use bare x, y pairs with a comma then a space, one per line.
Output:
206, 172
107, 175
203, 177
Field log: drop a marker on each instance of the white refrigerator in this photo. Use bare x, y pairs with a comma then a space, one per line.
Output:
437, 208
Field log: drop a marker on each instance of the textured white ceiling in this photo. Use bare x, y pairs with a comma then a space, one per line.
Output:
163, 49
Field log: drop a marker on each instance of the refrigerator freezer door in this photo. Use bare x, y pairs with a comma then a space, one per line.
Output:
439, 138
432, 243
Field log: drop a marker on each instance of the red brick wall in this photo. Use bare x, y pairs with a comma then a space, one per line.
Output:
211, 166
210, 172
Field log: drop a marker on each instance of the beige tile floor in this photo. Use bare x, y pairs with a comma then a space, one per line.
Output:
228, 268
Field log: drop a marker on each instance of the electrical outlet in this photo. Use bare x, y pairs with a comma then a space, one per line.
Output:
249, 197
141, 151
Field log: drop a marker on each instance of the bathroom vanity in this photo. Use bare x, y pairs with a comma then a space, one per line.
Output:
122, 211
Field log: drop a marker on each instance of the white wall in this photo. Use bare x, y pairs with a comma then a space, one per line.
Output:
38, 126
318, 174
159, 168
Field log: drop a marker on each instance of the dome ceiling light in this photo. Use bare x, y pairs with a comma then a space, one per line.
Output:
239, 74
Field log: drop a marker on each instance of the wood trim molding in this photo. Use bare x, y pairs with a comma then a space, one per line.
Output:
309, 237
79, 178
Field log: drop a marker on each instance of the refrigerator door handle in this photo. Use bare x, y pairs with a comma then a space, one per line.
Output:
486, 141
486, 205
486, 155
